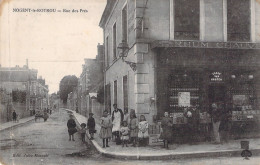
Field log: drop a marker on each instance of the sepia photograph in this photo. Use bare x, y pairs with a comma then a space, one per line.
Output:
130, 82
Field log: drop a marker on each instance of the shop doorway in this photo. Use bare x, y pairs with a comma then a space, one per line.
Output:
217, 94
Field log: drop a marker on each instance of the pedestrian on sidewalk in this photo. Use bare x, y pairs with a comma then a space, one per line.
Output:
14, 116
192, 116
106, 129
225, 124
71, 124
216, 118
143, 136
133, 126
117, 118
45, 116
167, 133
91, 126
83, 131
125, 134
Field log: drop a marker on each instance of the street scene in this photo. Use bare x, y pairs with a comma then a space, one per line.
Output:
130, 82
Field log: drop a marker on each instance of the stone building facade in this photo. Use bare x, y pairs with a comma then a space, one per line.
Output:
177, 52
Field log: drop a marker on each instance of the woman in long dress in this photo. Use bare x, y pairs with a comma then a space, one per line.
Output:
105, 131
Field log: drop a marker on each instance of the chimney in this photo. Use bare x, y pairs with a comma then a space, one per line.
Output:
27, 64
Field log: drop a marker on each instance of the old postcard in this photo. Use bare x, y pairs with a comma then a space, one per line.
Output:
129, 82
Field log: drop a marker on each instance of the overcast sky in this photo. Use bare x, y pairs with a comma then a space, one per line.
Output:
54, 43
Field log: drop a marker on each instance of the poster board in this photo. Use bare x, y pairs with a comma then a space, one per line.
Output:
184, 99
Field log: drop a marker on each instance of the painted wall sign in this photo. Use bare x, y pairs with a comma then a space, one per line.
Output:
200, 44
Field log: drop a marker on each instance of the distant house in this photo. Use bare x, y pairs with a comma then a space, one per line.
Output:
22, 82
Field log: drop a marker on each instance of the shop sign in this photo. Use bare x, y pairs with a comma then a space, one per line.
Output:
216, 76
201, 44
184, 99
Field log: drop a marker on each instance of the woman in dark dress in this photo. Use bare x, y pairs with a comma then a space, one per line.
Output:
167, 134
91, 126
71, 124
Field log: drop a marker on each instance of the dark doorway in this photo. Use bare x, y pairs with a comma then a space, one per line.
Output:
217, 94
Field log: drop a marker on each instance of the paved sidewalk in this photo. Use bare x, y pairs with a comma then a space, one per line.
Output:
11, 124
155, 152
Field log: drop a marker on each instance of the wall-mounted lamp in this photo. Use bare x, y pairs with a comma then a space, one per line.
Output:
233, 76
123, 50
250, 76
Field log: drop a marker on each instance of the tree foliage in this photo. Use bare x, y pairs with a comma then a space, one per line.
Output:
100, 95
19, 96
67, 84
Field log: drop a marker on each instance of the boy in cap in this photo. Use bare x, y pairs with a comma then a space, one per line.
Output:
91, 126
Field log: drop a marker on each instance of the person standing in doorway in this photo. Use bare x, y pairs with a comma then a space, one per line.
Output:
216, 118
126, 115
14, 116
117, 119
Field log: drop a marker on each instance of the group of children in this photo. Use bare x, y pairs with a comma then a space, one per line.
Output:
131, 130
90, 126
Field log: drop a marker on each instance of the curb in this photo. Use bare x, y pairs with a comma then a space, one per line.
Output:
17, 125
225, 153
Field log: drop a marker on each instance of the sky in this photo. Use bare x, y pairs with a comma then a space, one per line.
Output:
55, 43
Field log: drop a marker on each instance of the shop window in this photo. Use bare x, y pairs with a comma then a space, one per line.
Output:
124, 24
242, 93
115, 92
125, 91
184, 91
187, 19
114, 41
238, 20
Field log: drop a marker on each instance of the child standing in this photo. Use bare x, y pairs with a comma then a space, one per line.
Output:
91, 126
71, 124
83, 131
106, 129
125, 133
143, 136
166, 134
133, 126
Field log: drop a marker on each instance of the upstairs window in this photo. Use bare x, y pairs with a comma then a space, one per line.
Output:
107, 52
187, 20
124, 24
238, 20
114, 41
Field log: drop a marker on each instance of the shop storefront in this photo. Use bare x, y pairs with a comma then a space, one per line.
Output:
197, 77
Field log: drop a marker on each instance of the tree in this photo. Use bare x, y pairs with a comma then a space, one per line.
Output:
67, 84
100, 95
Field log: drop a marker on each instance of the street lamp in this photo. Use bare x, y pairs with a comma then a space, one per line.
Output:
123, 50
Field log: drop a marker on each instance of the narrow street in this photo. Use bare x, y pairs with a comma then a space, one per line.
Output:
41, 142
